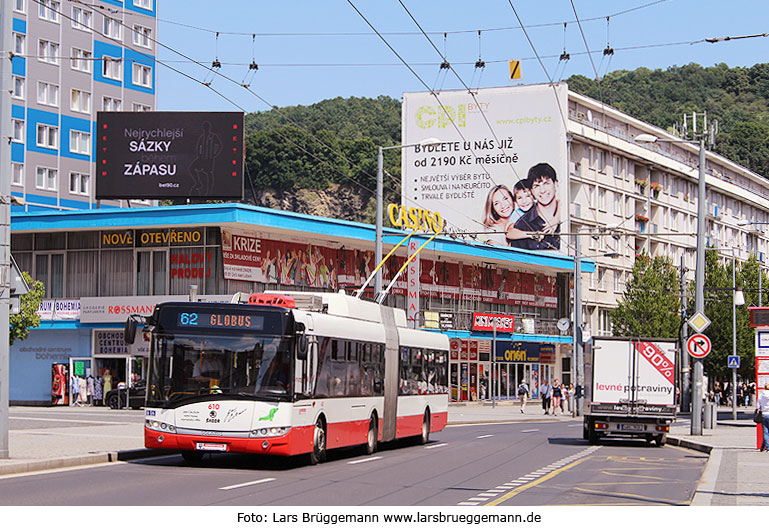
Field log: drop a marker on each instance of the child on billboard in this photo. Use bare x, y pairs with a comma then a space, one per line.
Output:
503, 208
544, 218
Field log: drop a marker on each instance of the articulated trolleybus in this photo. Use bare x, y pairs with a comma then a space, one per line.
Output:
289, 374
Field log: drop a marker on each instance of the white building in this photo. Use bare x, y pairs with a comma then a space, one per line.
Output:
645, 195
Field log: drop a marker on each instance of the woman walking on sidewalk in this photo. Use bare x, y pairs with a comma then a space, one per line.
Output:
763, 405
523, 393
556, 397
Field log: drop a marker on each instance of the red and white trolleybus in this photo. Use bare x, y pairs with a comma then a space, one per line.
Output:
289, 374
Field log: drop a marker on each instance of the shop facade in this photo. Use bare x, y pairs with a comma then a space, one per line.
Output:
100, 266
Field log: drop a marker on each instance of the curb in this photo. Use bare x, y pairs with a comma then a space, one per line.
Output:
688, 444
47, 464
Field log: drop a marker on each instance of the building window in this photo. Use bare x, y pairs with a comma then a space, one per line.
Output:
18, 87
46, 178
599, 161
617, 166
19, 43
617, 204
144, 4
112, 28
80, 101
82, 19
110, 104
604, 322
138, 107
78, 183
17, 173
48, 10
18, 130
601, 199
79, 142
112, 68
617, 281
47, 94
20, 6
81, 60
47, 136
142, 75
48, 51
142, 36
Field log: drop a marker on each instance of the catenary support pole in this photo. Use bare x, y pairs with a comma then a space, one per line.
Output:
379, 209
577, 353
685, 367
699, 291
6, 21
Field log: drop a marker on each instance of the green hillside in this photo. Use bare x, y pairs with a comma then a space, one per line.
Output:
326, 152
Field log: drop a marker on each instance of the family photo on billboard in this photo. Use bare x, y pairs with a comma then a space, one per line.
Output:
494, 165
528, 216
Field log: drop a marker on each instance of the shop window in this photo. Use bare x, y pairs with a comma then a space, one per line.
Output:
49, 269
116, 272
47, 241
151, 272
82, 267
22, 242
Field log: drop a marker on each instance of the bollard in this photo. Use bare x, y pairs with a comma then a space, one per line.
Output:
710, 416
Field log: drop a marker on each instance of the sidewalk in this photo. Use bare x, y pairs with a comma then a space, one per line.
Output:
734, 475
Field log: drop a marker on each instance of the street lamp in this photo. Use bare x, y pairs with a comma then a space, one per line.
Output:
699, 277
738, 299
379, 206
578, 356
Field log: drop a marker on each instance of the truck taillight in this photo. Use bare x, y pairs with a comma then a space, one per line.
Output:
599, 425
663, 428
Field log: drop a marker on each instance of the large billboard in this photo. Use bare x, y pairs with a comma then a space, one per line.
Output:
497, 171
166, 155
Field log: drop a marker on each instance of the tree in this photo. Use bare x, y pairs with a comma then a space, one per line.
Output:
650, 306
27, 318
719, 298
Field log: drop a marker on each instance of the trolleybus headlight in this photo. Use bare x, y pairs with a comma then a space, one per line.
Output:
263, 432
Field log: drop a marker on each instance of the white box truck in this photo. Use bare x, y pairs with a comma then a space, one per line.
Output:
630, 388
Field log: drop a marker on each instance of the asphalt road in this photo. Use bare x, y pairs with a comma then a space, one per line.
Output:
493, 464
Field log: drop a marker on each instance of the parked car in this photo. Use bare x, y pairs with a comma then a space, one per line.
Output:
116, 397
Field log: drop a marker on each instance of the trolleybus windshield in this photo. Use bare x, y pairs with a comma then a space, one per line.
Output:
215, 352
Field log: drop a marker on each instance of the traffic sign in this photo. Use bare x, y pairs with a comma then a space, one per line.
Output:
733, 362
699, 322
698, 346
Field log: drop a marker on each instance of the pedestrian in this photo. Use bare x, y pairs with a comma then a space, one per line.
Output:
763, 406
556, 395
572, 401
545, 392
523, 394
740, 395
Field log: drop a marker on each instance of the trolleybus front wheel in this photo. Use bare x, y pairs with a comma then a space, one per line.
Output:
318, 453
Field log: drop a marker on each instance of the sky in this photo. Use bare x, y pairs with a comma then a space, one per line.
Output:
309, 51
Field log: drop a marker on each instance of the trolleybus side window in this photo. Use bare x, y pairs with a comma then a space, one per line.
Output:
349, 368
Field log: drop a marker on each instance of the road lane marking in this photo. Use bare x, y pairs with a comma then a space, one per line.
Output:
513, 493
530, 431
244, 484
436, 445
533, 478
364, 460
484, 436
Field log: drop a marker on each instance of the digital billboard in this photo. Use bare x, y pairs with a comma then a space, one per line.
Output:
164, 155
493, 163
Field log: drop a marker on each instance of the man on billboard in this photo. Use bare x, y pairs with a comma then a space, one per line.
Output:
544, 218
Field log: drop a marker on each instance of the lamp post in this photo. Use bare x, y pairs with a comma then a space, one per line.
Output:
579, 358
379, 205
699, 276
738, 299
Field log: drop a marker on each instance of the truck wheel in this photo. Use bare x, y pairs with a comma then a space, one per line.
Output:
661, 440
585, 430
649, 439
592, 437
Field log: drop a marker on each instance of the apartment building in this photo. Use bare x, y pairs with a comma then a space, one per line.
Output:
634, 197
72, 59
